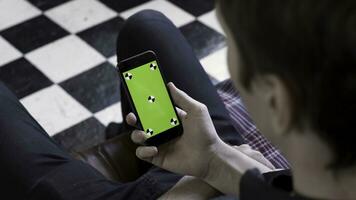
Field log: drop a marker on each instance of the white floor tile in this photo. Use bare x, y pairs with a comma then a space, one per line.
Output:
8, 53
16, 11
211, 20
54, 109
65, 58
113, 60
216, 64
78, 15
110, 114
178, 16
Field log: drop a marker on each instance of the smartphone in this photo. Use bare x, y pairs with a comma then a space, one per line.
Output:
149, 98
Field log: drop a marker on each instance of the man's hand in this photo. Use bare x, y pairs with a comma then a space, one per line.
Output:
199, 151
190, 153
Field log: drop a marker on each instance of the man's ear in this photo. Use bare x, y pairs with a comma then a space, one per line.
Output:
277, 98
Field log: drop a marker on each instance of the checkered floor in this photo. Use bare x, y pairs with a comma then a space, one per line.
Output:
58, 57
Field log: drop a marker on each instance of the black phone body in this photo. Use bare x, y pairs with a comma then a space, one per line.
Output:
149, 98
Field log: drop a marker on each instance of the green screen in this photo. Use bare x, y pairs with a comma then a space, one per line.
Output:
151, 99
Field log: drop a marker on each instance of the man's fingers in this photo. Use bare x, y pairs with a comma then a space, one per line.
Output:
146, 152
181, 113
244, 147
138, 137
182, 100
131, 119
256, 155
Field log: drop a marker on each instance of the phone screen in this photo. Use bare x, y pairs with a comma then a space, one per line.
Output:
151, 99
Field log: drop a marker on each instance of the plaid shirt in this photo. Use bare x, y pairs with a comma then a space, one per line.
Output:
246, 127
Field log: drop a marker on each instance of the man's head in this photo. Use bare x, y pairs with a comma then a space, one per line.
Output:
294, 62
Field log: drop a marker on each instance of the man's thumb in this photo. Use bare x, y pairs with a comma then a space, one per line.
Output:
182, 99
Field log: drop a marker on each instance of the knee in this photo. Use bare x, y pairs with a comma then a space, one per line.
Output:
136, 27
140, 21
145, 15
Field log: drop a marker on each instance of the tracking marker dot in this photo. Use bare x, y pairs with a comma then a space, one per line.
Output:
153, 66
128, 76
149, 131
174, 121
151, 99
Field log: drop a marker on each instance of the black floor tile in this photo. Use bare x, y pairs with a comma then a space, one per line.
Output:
120, 5
47, 4
103, 36
95, 89
23, 78
203, 39
33, 33
195, 7
81, 136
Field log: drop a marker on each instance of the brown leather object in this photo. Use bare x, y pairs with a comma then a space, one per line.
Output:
115, 159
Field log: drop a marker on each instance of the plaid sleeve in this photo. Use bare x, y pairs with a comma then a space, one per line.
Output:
246, 127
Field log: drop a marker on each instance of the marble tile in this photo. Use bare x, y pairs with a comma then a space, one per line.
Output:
210, 19
96, 88
113, 60
78, 15
8, 52
23, 78
47, 4
16, 11
103, 37
195, 7
110, 114
216, 65
33, 33
178, 16
203, 39
65, 58
121, 5
54, 109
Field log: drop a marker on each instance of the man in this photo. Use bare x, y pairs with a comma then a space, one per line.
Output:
288, 59
294, 64
33, 166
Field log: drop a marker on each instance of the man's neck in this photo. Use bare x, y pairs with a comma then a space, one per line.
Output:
309, 157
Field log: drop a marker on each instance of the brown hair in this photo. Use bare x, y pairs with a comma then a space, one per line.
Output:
311, 46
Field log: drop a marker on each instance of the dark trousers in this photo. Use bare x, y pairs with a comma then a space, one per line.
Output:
33, 166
